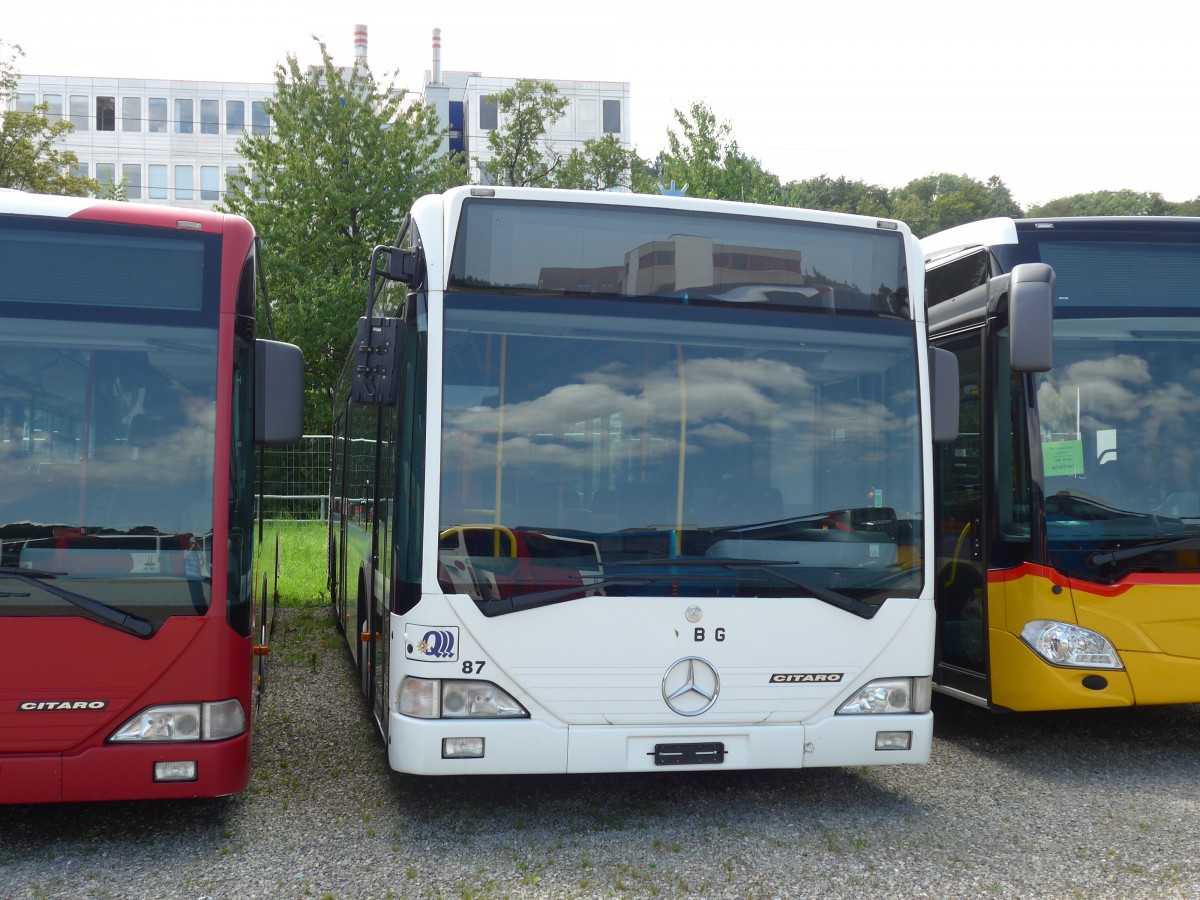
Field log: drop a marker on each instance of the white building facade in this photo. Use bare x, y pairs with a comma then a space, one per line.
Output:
175, 142
464, 103
169, 142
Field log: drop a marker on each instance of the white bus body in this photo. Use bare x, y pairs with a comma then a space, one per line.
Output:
650, 491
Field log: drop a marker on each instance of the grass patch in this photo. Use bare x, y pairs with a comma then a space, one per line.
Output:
303, 550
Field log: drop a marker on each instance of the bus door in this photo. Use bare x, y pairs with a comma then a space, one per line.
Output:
361, 435
333, 537
377, 634
985, 511
961, 642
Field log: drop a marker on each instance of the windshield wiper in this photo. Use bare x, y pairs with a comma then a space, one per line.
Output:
849, 604
558, 595
32, 573
108, 615
668, 561
1103, 557
771, 567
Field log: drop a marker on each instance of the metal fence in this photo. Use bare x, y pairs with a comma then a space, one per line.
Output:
295, 480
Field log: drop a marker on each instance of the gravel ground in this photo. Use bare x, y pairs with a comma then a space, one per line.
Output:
1086, 805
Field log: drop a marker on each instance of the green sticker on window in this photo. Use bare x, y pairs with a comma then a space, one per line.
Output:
1062, 458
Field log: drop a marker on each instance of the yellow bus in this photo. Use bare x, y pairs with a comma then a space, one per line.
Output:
1068, 509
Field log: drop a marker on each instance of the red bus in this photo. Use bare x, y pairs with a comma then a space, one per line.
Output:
133, 392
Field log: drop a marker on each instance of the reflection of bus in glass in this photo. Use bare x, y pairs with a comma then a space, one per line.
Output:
644, 487
1069, 506
496, 563
129, 618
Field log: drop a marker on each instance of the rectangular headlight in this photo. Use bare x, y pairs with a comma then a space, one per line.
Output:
477, 700
223, 720
883, 696
431, 698
177, 722
175, 770
893, 740
184, 722
420, 698
462, 748
922, 694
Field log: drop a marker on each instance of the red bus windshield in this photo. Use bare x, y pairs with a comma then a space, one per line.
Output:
106, 467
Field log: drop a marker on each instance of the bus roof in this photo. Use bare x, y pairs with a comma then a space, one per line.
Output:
984, 233
660, 201
51, 206
999, 231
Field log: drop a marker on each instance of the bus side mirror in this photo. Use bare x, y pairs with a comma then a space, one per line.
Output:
943, 378
377, 357
1031, 318
278, 392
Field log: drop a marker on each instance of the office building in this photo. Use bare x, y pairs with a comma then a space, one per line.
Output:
175, 142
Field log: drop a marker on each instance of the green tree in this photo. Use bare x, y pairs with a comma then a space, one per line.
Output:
837, 195
646, 174
601, 165
520, 156
694, 157
29, 159
1107, 203
115, 190
1186, 208
1000, 200
746, 179
704, 155
346, 160
937, 202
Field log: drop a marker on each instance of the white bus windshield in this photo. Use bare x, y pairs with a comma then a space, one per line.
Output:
660, 433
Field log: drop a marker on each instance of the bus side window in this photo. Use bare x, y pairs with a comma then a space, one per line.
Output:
961, 528
957, 277
1011, 477
959, 473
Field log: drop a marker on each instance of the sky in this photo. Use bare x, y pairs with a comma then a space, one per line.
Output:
1055, 97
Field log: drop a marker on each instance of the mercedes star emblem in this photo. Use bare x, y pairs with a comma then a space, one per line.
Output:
690, 686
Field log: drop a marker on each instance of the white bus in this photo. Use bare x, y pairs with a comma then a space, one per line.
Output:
626, 482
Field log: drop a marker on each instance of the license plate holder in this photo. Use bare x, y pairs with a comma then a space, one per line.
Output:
705, 753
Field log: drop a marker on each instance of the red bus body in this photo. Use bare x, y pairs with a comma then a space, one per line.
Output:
52, 755
68, 681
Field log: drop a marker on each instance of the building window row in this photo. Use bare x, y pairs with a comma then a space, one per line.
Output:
161, 115
167, 182
610, 118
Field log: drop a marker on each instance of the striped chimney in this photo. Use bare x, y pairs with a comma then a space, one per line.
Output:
360, 44
437, 56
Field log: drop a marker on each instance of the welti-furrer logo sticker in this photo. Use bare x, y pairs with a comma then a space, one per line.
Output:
431, 643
